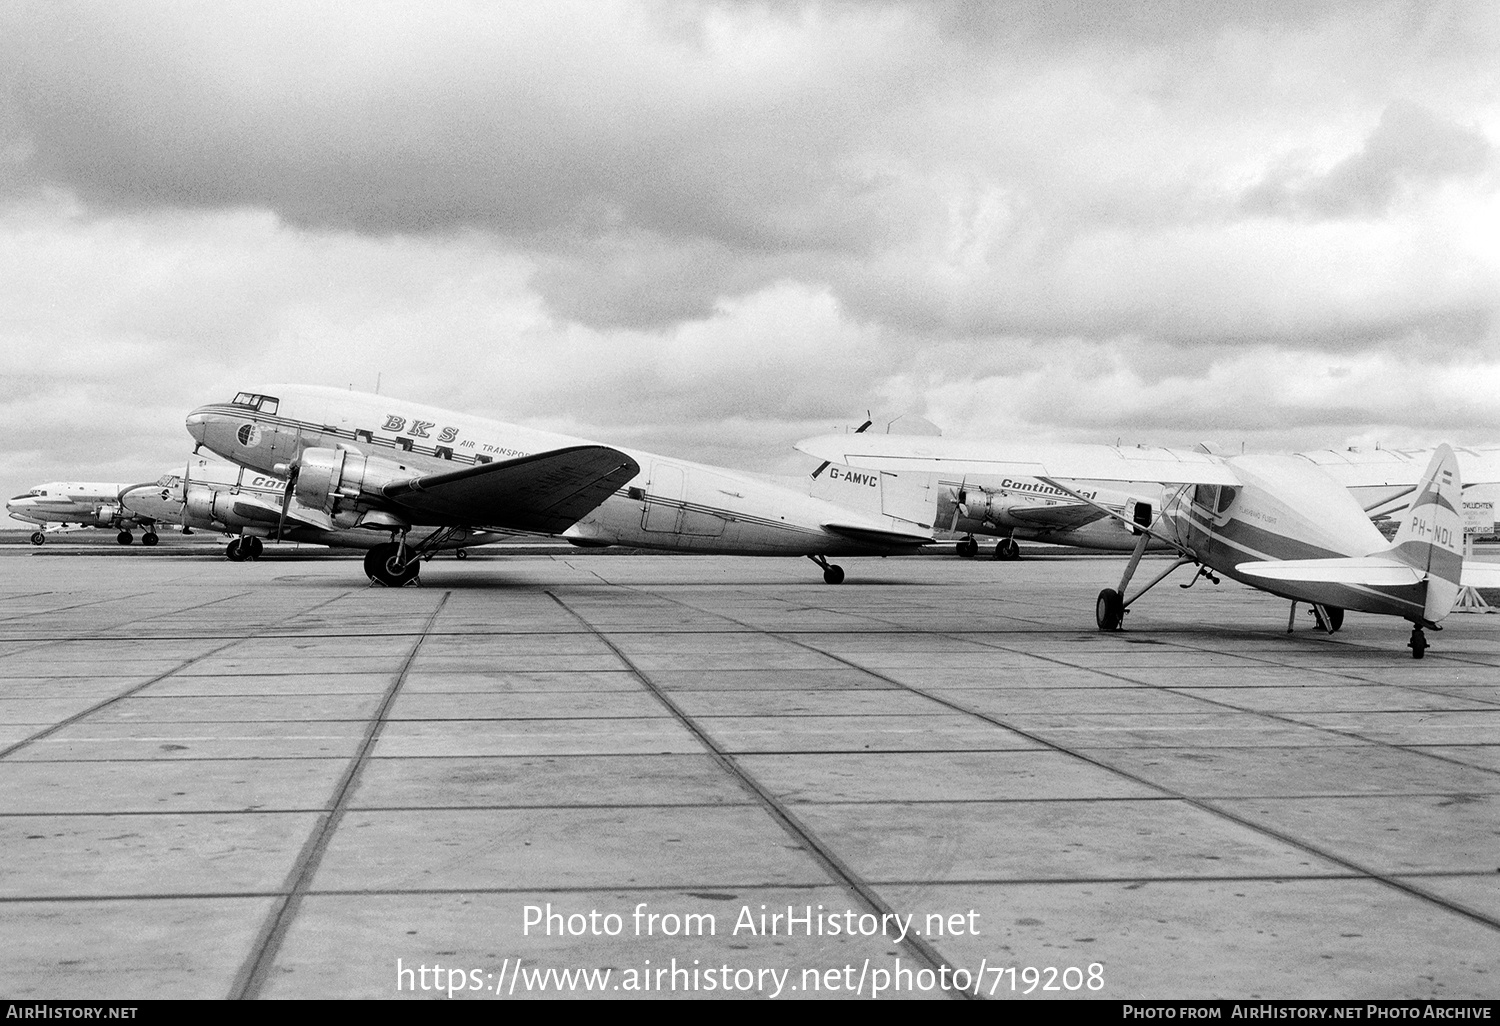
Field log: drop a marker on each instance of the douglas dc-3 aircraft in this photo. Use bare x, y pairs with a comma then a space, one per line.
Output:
369, 462
1277, 523
87, 504
213, 496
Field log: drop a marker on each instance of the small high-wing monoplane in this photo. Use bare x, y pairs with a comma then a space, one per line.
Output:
213, 496
354, 461
1278, 523
64, 504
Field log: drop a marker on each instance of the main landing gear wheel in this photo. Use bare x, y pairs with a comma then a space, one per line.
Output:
1418, 642
124, 537
1109, 610
833, 574
1334, 620
235, 552
1008, 549
461, 553
38, 538
253, 547
381, 566
968, 548
149, 538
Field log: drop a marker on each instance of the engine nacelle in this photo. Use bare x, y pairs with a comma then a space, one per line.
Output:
200, 504
324, 476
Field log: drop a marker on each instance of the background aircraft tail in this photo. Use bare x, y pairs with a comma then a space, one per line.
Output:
1431, 539
900, 505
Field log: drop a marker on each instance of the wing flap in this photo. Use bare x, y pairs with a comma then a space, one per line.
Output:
546, 493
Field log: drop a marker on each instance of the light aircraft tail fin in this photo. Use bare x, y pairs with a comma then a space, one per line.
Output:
1431, 539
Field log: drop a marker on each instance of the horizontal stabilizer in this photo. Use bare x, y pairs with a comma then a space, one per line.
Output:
1367, 571
875, 536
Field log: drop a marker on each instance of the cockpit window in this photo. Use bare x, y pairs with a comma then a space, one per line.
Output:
263, 403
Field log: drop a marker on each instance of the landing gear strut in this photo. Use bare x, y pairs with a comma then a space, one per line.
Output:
1110, 606
831, 574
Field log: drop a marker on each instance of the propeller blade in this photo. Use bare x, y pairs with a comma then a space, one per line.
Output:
286, 500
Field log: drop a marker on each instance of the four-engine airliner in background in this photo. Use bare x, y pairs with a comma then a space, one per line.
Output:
1277, 523
355, 461
213, 496
82, 503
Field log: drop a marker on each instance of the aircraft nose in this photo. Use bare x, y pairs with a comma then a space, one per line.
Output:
197, 424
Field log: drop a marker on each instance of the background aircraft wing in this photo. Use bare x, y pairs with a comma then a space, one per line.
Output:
1069, 517
953, 456
1370, 468
547, 492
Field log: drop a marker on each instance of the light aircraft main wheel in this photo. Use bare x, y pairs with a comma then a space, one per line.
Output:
234, 552
967, 548
1109, 610
124, 537
1335, 618
461, 554
38, 538
833, 575
149, 538
381, 566
253, 548
1418, 643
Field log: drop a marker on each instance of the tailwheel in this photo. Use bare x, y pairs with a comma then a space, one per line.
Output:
382, 565
38, 538
968, 548
124, 537
149, 538
831, 574
1418, 642
1109, 610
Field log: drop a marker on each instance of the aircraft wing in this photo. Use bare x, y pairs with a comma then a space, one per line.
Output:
954, 456
1069, 517
546, 493
1370, 468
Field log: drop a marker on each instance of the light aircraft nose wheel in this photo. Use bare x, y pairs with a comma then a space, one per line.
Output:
234, 552
1418, 643
833, 575
38, 538
381, 566
1109, 610
149, 538
967, 548
124, 537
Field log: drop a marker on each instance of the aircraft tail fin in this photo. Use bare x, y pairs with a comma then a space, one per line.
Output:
1431, 538
902, 504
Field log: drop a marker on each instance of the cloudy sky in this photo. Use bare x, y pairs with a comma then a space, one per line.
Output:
710, 228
